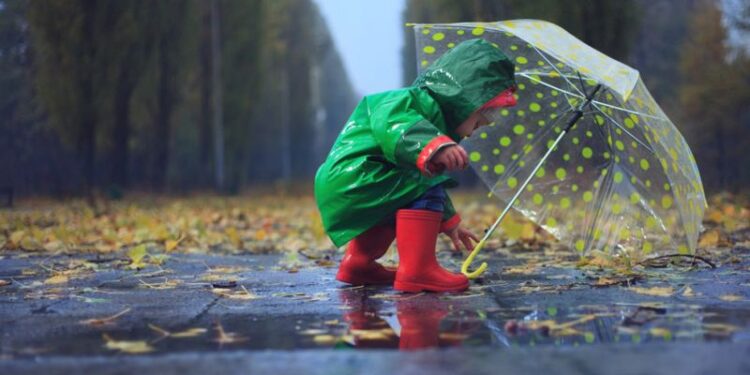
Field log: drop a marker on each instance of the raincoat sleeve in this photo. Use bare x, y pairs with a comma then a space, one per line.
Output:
405, 136
451, 218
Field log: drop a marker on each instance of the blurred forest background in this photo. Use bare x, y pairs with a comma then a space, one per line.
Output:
184, 95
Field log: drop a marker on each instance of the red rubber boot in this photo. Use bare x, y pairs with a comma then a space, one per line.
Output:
418, 270
420, 323
358, 266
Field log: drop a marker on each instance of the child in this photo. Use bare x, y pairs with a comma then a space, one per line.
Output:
389, 159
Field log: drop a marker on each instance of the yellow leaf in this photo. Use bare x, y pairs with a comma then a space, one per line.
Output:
57, 279
224, 337
136, 256
655, 291
104, 321
661, 332
731, 298
234, 237
132, 347
373, 334
158, 258
324, 339
170, 245
17, 236
688, 292
709, 239
527, 269
720, 328
528, 231
191, 332
243, 294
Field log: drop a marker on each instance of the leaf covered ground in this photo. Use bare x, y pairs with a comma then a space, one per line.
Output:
148, 228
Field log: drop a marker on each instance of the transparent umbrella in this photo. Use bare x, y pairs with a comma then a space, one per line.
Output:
587, 153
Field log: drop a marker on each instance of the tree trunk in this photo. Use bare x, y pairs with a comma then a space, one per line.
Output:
119, 174
217, 102
87, 136
165, 105
204, 121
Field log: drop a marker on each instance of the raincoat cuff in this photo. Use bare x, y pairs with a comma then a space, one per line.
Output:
450, 224
428, 151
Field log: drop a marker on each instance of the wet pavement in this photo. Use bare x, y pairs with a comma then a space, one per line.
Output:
270, 313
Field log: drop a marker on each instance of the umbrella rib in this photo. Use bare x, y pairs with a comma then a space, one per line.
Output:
554, 67
628, 110
647, 147
527, 74
564, 91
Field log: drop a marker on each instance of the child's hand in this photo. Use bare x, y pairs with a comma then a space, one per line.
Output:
452, 158
460, 235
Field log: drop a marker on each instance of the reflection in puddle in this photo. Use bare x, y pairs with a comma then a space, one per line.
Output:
423, 321
410, 322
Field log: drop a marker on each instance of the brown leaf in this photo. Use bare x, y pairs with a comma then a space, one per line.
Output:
654, 291
224, 337
57, 279
104, 321
131, 347
731, 298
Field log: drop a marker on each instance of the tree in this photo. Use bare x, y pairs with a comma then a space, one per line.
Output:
66, 64
714, 96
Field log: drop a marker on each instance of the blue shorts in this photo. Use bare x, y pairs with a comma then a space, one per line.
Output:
433, 200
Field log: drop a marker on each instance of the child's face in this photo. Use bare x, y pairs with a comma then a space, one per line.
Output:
472, 123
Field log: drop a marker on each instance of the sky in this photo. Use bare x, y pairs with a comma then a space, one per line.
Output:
368, 35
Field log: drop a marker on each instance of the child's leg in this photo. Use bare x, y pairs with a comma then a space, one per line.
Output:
358, 267
432, 200
417, 228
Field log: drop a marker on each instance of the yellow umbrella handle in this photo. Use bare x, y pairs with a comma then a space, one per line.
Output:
465, 267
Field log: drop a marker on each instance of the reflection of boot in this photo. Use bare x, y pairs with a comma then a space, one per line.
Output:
368, 329
420, 325
358, 267
418, 270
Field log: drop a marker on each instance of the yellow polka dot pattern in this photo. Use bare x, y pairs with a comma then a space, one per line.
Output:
601, 188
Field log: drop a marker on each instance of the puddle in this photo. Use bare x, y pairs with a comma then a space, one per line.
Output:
425, 321
363, 318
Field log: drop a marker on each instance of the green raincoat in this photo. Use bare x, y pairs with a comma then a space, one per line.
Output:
378, 164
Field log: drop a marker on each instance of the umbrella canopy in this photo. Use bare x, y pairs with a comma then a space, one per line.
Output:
622, 180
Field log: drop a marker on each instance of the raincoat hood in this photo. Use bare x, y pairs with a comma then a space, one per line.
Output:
466, 77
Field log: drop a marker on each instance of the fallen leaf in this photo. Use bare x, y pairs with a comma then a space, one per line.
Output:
131, 347
661, 332
313, 332
57, 279
324, 339
731, 298
166, 284
224, 337
136, 256
654, 291
190, 332
104, 321
242, 294
170, 245
688, 292
234, 237
373, 334
720, 328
